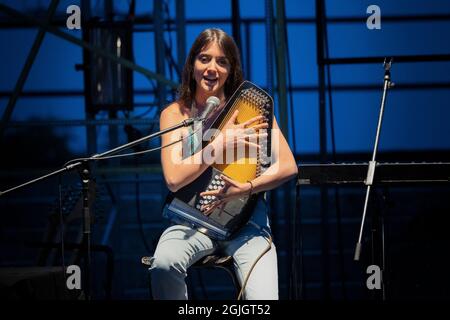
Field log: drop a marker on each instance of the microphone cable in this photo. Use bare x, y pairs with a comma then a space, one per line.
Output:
269, 240
61, 225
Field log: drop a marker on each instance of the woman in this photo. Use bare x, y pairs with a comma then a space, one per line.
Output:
213, 68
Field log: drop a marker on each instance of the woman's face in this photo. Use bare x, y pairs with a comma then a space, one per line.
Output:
211, 70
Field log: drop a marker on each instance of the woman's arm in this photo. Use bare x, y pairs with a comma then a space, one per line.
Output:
177, 171
282, 169
283, 166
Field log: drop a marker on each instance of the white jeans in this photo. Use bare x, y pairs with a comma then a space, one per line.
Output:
180, 246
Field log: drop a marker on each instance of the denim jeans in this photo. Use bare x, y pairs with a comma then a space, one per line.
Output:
180, 246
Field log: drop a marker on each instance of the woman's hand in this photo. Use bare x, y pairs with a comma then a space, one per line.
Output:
239, 135
232, 189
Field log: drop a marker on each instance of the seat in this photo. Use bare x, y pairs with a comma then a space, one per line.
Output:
210, 261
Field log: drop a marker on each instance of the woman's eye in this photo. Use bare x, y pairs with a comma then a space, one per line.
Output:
223, 62
204, 59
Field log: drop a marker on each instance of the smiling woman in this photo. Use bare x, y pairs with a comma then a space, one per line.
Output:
213, 61
213, 68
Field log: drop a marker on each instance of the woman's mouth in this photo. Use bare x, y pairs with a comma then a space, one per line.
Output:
210, 81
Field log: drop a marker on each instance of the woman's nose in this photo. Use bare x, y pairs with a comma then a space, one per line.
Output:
212, 65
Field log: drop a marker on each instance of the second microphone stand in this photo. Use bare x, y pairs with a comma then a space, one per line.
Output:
372, 164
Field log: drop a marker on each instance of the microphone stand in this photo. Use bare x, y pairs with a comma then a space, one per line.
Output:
85, 178
372, 163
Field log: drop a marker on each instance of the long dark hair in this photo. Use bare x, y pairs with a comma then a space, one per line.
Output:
226, 43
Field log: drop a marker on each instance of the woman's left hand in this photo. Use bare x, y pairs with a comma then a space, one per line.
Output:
231, 189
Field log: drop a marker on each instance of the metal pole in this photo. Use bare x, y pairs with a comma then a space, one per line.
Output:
91, 132
26, 69
181, 33
236, 23
323, 149
247, 53
99, 51
271, 195
372, 163
281, 69
269, 45
158, 18
286, 191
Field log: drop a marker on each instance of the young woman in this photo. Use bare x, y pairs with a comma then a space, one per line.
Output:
213, 68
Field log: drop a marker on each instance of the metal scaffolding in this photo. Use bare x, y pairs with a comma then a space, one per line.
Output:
147, 175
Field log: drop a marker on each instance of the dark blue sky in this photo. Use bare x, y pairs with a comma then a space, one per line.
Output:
414, 119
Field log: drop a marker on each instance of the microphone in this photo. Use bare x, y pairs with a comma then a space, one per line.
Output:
211, 104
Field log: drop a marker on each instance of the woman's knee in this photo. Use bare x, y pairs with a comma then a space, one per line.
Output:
167, 264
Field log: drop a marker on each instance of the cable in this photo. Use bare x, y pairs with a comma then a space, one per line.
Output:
131, 10
293, 276
121, 155
254, 263
168, 50
139, 218
291, 98
169, 46
138, 206
202, 285
62, 231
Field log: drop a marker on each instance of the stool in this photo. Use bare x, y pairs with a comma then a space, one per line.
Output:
209, 261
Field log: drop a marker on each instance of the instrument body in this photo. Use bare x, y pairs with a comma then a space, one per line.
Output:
185, 205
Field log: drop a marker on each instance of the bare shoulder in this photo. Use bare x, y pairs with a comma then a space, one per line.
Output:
173, 109
173, 113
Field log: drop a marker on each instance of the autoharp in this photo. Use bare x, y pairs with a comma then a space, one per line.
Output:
185, 206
